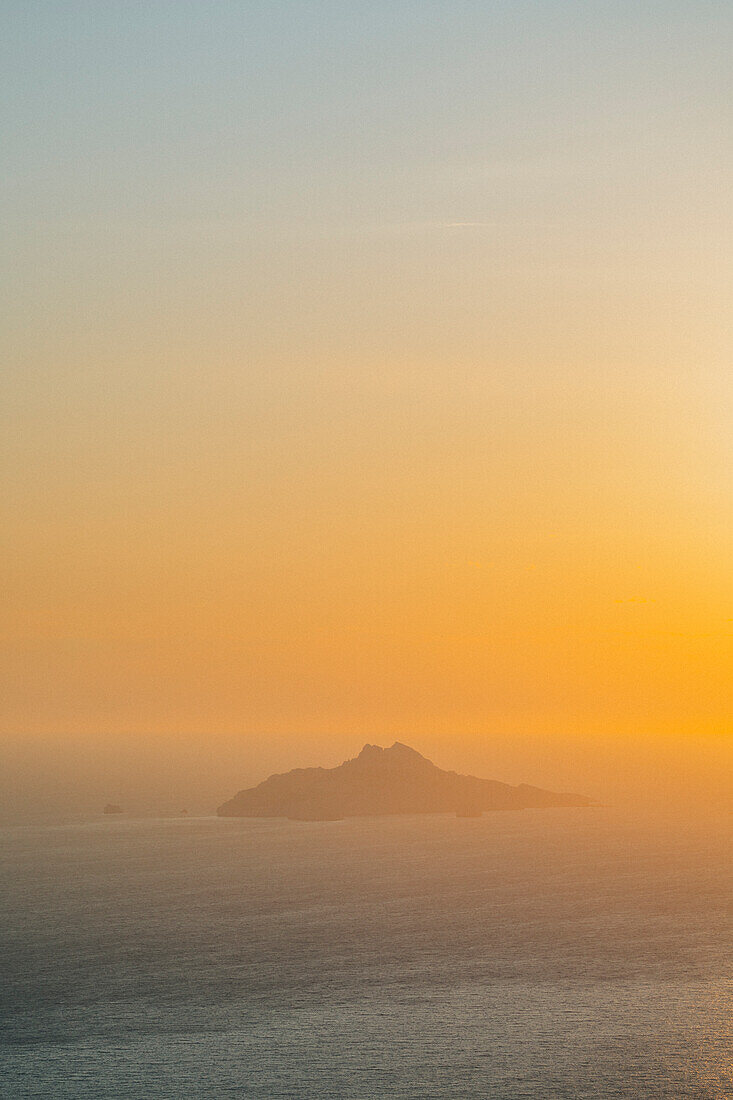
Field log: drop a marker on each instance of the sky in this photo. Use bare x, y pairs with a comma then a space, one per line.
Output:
367, 376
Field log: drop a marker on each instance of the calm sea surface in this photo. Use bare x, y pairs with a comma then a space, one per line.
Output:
545, 954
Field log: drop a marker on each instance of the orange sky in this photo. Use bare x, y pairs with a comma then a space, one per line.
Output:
312, 440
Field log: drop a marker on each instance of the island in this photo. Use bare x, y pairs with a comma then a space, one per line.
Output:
395, 780
112, 808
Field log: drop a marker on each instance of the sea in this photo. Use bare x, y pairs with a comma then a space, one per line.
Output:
523, 954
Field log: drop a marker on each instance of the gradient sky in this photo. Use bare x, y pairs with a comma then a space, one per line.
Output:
368, 375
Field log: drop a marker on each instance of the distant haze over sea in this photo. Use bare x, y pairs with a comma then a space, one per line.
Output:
165, 774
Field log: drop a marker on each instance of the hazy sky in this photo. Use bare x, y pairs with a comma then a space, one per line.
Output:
368, 375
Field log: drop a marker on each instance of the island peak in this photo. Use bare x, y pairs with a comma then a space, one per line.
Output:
394, 780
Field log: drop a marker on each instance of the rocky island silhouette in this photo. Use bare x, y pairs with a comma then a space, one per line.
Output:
395, 780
